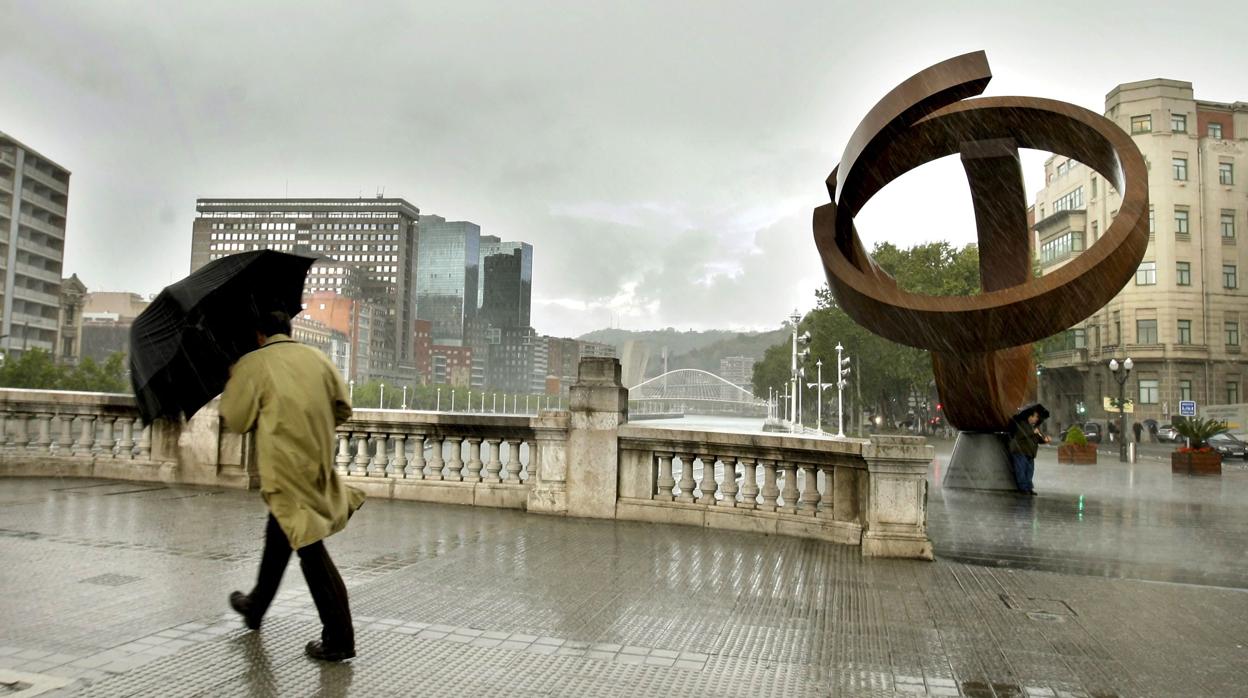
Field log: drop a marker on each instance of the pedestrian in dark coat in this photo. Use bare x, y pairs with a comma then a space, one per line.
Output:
1025, 438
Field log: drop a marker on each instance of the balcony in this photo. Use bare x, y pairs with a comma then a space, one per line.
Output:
45, 178
38, 273
42, 226
1065, 358
39, 249
43, 202
27, 294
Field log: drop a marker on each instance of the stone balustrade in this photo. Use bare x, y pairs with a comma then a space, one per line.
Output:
586, 461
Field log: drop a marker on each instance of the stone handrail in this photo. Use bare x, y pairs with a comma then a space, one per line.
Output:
586, 461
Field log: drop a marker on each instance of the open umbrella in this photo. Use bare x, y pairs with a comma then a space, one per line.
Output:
183, 344
1021, 415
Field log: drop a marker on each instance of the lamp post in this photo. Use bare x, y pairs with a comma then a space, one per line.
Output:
437, 405
1121, 378
404, 397
351, 390
842, 364
381, 399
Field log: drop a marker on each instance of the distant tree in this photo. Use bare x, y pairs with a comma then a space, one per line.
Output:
108, 377
36, 369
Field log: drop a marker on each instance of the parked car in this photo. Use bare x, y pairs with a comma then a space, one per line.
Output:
1167, 433
1228, 446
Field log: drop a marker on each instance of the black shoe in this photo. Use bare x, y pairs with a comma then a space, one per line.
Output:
241, 603
316, 650
1030, 493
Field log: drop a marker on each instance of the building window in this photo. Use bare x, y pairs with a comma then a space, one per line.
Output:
1152, 220
1180, 222
1228, 224
1226, 173
1185, 389
1141, 124
1183, 273
1070, 202
1146, 275
1232, 392
1096, 231
1215, 131
1179, 166
1061, 247
1230, 277
1094, 187
1150, 391
1146, 331
1232, 334
1178, 123
1185, 331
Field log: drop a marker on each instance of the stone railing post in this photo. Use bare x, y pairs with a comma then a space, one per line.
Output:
895, 517
548, 463
599, 405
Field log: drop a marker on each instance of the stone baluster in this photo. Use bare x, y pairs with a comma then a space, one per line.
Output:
770, 491
493, 465
86, 435
344, 453
377, 466
789, 495
359, 466
416, 468
43, 442
665, 482
65, 439
125, 447
474, 460
708, 487
686, 478
455, 466
436, 462
398, 467
5, 419
749, 484
514, 466
145, 443
21, 434
107, 442
810, 489
729, 488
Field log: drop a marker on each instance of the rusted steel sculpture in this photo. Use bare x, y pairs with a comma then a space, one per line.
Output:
980, 345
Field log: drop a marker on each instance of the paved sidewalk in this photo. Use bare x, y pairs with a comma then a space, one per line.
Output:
120, 589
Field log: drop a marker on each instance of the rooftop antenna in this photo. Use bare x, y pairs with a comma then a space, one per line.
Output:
381, 192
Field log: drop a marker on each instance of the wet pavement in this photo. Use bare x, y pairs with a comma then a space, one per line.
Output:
118, 589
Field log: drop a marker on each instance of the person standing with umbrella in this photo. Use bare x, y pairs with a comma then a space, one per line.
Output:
293, 398
1025, 438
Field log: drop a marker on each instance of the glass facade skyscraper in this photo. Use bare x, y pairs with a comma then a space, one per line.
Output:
447, 276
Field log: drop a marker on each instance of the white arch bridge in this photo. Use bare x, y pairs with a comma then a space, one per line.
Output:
692, 391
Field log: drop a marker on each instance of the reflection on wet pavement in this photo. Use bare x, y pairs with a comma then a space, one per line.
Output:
121, 590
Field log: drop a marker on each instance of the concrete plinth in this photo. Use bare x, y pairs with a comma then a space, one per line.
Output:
980, 461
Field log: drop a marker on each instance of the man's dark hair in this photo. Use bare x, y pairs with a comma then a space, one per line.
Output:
274, 322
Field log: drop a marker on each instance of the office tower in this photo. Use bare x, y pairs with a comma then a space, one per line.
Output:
447, 277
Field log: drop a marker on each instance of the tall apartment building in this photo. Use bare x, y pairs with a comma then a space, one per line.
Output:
1181, 318
447, 277
34, 193
376, 235
738, 370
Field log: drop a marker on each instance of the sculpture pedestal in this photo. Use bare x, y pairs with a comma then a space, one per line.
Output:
980, 461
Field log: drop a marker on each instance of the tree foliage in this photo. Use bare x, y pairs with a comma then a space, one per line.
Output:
887, 373
35, 369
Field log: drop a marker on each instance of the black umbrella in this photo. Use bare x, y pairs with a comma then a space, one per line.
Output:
1022, 414
183, 344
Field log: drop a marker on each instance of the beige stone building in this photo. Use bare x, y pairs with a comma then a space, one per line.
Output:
1181, 319
34, 194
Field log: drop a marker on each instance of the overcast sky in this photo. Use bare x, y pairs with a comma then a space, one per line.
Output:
663, 158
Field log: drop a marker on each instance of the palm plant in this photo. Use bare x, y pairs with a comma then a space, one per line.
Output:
1076, 437
1197, 431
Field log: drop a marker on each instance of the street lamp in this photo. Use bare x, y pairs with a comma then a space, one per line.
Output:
821, 386
381, 400
437, 405
404, 397
1121, 378
351, 390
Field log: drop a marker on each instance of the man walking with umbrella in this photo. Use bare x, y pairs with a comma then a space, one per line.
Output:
293, 397
1025, 438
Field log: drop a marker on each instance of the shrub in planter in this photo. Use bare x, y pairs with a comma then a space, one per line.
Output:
1197, 458
1076, 449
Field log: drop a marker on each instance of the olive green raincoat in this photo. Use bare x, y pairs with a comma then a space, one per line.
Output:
293, 397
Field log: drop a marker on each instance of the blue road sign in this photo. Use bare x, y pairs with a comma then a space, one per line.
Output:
1187, 408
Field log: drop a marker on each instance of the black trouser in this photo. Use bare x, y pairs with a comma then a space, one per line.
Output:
324, 583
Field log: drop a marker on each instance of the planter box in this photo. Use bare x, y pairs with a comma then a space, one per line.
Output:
1077, 455
1196, 463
